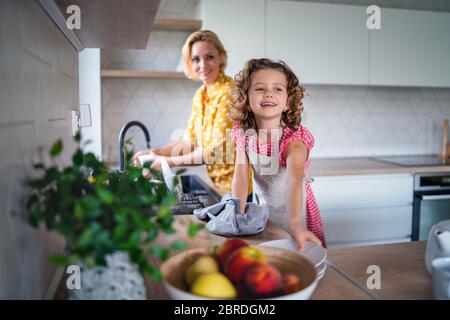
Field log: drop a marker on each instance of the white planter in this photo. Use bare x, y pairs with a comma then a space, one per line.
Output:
119, 280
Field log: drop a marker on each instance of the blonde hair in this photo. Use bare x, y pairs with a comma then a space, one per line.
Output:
240, 110
209, 37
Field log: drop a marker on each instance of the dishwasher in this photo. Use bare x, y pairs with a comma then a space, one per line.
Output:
431, 202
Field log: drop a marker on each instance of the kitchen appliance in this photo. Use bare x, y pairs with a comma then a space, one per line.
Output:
438, 244
431, 202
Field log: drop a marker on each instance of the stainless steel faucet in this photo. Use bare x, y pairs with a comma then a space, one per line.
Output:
122, 133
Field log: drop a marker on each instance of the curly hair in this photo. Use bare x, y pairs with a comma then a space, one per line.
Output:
241, 111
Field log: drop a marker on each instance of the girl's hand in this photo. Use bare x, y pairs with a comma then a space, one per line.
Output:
300, 234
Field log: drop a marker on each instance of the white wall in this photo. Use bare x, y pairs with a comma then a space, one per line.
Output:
38, 88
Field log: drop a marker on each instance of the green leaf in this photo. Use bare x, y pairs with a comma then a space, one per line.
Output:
105, 196
39, 166
154, 273
134, 239
180, 171
168, 229
79, 211
158, 251
91, 160
91, 206
151, 234
194, 228
120, 232
56, 148
179, 245
58, 260
78, 157
86, 238
77, 136
90, 262
134, 173
33, 221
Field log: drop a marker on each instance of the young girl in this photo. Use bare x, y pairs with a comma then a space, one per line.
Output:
269, 137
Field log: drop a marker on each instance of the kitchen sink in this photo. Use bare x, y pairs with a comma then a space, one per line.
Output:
194, 194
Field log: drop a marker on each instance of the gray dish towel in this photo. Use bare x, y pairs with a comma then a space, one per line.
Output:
225, 219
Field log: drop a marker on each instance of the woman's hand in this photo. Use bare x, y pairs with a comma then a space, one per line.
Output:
156, 151
135, 158
300, 234
156, 164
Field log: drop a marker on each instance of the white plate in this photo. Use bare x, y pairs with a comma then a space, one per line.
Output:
313, 252
321, 270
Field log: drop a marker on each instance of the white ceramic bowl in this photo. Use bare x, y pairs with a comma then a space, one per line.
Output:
173, 271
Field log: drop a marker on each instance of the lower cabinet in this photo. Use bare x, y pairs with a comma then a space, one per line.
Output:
365, 209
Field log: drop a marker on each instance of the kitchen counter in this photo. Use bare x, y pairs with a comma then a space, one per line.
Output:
402, 268
342, 166
355, 166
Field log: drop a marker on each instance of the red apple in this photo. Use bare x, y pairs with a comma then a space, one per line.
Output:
224, 251
241, 260
264, 281
291, 283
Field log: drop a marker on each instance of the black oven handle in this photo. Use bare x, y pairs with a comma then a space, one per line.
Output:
435, 197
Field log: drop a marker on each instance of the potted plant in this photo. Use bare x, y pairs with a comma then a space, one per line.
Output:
107, 218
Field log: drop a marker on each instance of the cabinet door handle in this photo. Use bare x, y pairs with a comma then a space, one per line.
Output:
437, 197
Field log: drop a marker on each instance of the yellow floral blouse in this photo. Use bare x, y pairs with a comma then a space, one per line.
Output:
209, 126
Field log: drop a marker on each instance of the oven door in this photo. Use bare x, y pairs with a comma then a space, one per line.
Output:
429, 208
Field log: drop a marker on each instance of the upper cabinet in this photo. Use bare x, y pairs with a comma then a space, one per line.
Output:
411, 49
240, 26
331, 44
104, 24
322, 43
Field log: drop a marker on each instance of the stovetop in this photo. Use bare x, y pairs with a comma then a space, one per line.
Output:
413, 161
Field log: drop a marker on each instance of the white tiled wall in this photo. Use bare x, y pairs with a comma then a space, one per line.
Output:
346, 120
39, 85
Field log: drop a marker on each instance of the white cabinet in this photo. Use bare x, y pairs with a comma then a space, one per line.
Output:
240, 26
331, 44
411, 49
322, 43
361, 209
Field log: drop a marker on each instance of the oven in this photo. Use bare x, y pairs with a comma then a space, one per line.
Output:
431, 202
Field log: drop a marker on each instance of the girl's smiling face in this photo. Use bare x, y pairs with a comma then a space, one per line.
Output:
205, 61
268, 94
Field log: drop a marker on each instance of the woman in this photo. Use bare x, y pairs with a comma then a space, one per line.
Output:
205, 142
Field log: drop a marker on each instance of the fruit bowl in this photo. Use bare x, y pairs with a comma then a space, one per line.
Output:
174, 268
